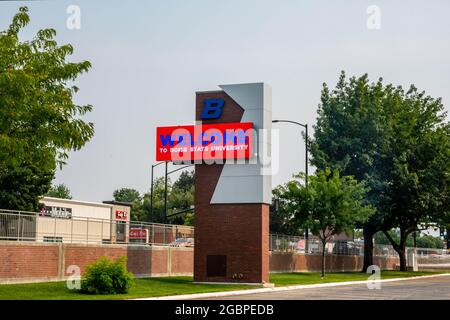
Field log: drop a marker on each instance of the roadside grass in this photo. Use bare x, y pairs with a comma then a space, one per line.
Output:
146, 287
167, 286
298, 278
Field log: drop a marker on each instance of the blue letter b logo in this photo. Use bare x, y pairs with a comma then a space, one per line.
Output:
212, 108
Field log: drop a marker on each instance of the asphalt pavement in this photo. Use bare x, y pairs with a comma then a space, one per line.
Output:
437, 288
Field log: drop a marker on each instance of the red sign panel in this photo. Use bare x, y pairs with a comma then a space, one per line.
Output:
205, 142
121, 215
138, 234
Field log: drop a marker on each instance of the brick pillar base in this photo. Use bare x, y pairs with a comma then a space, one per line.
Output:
232, 243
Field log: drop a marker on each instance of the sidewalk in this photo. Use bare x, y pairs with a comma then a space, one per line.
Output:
284, 288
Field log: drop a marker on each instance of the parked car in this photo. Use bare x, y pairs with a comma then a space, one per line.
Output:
300, 246
183, 242
346, 248
314, 247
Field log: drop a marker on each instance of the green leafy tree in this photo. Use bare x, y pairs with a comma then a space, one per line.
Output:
39, 122
283, 213
396, 142
350, 135
185, 182
180, 197
140, 210
134, 197
158, 214
21, 186
329, 205
59, 191
422, 241
189, 219
419, 166
427, 241
127, 195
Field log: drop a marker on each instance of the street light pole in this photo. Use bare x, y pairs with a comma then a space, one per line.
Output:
151, 189
165, 195
165, 187
306, 165
306, 143
166, 174
448, 237
151, 195
415, 239
306, 155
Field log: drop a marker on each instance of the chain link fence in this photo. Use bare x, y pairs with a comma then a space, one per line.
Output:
285, 243
30, 226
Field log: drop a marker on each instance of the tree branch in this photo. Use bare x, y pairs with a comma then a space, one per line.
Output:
396, 246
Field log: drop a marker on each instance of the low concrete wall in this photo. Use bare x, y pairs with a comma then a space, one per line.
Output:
34, 262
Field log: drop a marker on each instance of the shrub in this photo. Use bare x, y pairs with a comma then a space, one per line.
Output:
106, 276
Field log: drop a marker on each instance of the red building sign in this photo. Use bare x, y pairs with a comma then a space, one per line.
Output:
138, 234
205, 142
121, 215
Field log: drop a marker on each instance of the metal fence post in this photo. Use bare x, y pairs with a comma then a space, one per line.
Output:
22, 227
127, 232
87, 231
164, 237
54, 231
153, 233
18, 228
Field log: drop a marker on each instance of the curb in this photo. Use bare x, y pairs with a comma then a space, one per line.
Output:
285, 288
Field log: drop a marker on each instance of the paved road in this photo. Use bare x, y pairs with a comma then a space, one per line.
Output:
428, 288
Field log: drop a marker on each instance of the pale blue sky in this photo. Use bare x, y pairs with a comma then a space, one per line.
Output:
149, 58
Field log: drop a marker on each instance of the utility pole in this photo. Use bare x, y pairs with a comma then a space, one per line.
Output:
306, 165
448, 238
166, 175
306, 183
151, 196
165, 195
151, 189
306, 154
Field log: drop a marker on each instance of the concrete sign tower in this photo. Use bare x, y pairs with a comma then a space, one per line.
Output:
232, 199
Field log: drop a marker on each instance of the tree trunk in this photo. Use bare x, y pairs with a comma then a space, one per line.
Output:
306, 240
448, 238
323, 258
402, 256
368, 249
399, 248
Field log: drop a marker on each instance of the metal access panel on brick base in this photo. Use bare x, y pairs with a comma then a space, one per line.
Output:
216, 266
232, 199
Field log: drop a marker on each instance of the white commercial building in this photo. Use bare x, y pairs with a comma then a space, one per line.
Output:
63, 220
